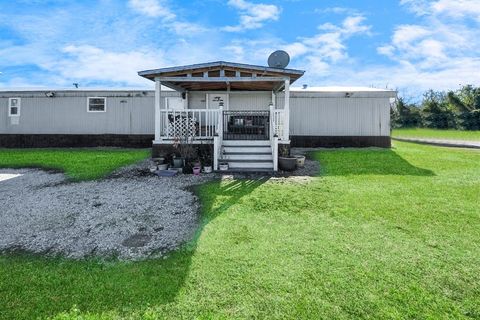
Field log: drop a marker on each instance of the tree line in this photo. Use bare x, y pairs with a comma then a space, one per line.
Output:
458, 109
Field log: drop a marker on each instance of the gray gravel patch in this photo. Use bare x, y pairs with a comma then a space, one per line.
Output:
131, 215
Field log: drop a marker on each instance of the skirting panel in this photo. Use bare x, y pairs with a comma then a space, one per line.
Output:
340, 141
166, 150
74, 140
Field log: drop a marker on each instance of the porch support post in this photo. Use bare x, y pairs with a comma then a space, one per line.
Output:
216, 153
158, 92
272, 122
286, 125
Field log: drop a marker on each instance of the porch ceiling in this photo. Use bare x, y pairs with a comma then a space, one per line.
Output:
223, 76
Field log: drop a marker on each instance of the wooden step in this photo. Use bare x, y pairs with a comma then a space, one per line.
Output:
246, 142
247, 156
247, 170
250, 164
247, 149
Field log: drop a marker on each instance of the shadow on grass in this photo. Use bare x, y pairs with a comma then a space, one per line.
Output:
366, 162
34, 287
227, 193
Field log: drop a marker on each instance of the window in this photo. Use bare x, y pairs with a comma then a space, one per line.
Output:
97, 104
14, 107
175, 103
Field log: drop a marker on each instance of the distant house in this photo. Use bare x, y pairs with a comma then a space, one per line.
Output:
245, 111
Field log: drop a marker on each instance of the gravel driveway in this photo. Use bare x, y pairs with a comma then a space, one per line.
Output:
131, 215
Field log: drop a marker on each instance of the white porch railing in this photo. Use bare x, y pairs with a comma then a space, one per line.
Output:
273, 137
192, 123
205, 124
218, 140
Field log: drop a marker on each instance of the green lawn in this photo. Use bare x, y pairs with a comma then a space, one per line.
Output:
78, 164
379, 234
436, 134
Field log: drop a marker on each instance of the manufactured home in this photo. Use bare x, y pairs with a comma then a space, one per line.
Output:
243, 112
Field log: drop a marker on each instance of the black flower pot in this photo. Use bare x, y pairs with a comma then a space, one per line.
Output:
287, 163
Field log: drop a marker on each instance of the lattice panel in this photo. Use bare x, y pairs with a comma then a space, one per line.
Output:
182, 127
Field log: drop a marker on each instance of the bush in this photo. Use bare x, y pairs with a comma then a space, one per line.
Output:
470, 120
406, 115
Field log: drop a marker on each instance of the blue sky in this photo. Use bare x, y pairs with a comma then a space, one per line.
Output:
409, 45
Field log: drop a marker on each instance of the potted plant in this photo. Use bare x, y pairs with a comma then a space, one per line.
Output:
206, 158
178, 161
163, 166
300, 160
223, 166
286, 162
196, 170
185, 152
207, 168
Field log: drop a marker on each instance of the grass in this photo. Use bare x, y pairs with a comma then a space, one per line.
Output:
379, 234
437, 134
77, 164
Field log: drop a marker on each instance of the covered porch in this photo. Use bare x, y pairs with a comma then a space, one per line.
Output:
222, 101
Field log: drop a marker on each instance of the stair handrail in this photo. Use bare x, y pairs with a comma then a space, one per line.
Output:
273, 138
218, 139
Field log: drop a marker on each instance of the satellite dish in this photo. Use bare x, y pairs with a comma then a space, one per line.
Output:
278, 59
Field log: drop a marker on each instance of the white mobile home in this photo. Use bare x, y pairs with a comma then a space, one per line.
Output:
222, 104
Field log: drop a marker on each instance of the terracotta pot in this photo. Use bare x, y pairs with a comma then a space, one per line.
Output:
196, 171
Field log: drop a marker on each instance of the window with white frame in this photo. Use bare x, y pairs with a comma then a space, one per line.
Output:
175, 103
14, 107
97, 104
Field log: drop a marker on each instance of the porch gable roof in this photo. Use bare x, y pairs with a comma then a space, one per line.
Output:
223, 75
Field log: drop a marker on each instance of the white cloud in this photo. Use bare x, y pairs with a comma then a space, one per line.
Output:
187, 28
419, 7
330, 45
354, 24
252, 16
450, 8
336, 10
152, 8
408, 76
87, 63
405, 34
457, 8
160, 9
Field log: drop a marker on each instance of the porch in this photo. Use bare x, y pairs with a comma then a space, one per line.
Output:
205, 114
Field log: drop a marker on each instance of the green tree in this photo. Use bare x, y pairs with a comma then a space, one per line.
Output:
437, 112
466, 103
406, 114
